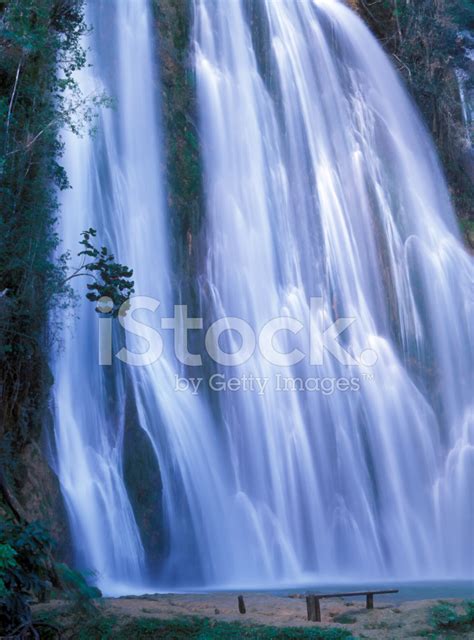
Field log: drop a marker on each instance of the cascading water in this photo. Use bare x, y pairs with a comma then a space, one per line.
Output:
466, 94
320, 183
116, 180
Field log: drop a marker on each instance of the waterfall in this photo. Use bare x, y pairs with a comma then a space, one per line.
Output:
321, 182
323, 201
102, 412
465, 94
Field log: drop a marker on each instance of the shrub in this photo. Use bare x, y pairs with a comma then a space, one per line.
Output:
445, 616
103, 627
24, 571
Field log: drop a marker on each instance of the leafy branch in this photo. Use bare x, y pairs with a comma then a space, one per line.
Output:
111, 279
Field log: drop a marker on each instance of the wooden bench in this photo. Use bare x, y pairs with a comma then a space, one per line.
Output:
314, 608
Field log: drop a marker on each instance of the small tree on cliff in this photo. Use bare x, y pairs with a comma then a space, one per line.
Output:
111, 279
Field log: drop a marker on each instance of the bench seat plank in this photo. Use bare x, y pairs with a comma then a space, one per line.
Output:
314, 609
354, 593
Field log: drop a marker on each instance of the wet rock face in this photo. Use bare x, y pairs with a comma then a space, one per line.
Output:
144, 486
41, 499
26, 452
183, 162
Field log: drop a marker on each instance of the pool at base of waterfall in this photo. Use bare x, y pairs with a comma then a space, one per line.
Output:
408, 590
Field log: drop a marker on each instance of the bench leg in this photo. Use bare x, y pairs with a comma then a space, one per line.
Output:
317, 610
370, 601
313, 609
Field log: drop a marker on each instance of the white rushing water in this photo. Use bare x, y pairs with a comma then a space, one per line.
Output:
466, 92
320, 182
117, 188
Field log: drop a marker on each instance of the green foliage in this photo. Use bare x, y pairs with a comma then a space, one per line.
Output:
106, 627
40, 53
423, 39
7, 562
76, 590
462, 12
345, 618
111, 279
24, 573
27, 572
183, 161
444, 617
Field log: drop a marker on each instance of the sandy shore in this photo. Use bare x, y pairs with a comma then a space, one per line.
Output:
386, 621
